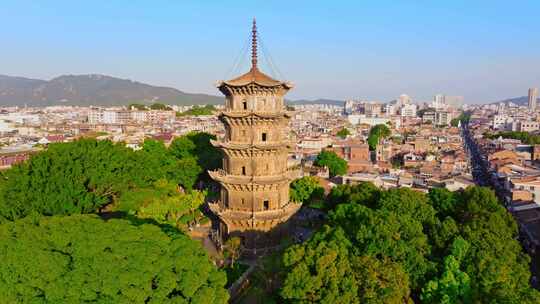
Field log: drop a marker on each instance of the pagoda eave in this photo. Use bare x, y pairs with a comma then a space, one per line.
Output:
254, 220
225, 178
260, 114
247, 146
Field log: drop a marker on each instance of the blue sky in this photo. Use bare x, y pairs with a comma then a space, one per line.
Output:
483, 50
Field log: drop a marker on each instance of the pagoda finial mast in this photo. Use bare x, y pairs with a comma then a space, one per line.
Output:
254, 45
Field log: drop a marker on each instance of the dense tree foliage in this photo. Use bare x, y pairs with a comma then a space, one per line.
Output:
335, 164
138, 106
85, 175
326, 271
363, 193
306, 189
525, 137
198, 111
68, 178
376, 133
160, 163
454, 285
160, 106
343, 133
163, 203
465, 117
83, 259
438, 248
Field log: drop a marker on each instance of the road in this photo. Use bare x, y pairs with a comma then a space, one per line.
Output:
483, 177
480, 165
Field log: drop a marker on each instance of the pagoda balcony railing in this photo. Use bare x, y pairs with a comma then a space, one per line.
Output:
248, 144
294, 172
221, 172
259, 214
242, 113
222, 175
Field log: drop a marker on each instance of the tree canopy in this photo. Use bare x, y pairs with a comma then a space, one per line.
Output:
198, 111
335, 164
525, 137
138, 106
376, 133
343, 133
83, 259
68, 178
305, 189
85, 175
160, 106
442, 247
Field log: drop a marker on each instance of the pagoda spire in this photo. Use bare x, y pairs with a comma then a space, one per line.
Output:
254, 45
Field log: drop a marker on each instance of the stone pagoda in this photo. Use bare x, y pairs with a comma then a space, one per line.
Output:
254, 202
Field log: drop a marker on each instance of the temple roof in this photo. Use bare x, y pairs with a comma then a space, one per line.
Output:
254, 76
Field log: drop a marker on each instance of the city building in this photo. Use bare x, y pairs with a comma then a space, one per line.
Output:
441, 102
533, 96
528, 126
408, 110
255, 178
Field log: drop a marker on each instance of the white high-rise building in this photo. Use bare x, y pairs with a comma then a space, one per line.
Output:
438, 101
533, 96
453, 101
349, 107
441, 101
408, 110
404, 99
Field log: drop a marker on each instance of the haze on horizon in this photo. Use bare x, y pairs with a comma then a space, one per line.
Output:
483, 50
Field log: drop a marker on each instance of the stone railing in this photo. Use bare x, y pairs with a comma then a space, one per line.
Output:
241, 283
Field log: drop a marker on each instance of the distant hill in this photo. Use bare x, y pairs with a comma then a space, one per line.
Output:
522, 101
92, 90
316, 101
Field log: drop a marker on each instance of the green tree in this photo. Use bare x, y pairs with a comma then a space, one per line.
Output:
376, 133
304, 189
326, 270
444, 201
83, 259
208, 156
198, 111
364, 193
450, 248
525, 137
320, 271
160, 106
343, 133
454, 285
442, 235
232, 249
335, 164
182, 147
496, 263
455, 122
396, 235
168, 205
158, 164
69, 178
381, 281
138, 106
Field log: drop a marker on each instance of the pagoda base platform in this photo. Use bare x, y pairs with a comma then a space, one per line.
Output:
258, 230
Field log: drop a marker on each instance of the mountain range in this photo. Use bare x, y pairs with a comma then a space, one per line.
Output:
102, 90
92, 90
95, 89
521, 101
